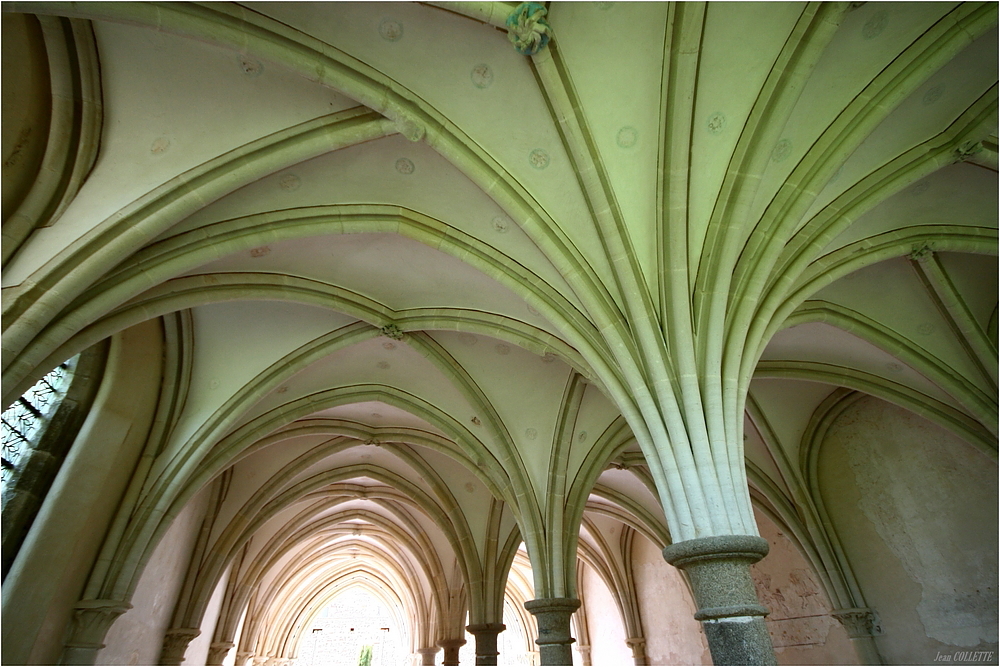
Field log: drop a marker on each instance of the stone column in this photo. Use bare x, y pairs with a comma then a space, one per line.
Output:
243, 658
730, 614
486, 641
91, 621
862, 625
175, 643
554, 639
217, 652
427, 655
451, 647
638, 646
584, 650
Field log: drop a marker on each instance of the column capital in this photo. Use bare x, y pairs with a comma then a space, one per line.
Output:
175, 644
550, 605
719, 547
243, 658
217, 652
91, 621
451, 643
495, 628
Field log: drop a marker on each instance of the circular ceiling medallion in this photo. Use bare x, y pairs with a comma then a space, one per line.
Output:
383, 365
926, 328
251, 67
548, 358
281, 390
468, 339
875, 25
920, 188
390, 30
530, 434
481, 75
500, 225
470, 487
582, 437
627, 136
159, 146
538, 158
389, 345
716, 123
475, 420
260, 251
894, 366
532, 310
782, 150
502, 349
289, 182
404, 166
214, 383
933, 94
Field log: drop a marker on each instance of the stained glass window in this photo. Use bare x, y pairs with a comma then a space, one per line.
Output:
25, 419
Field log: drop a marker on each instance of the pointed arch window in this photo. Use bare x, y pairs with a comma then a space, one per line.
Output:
25, 420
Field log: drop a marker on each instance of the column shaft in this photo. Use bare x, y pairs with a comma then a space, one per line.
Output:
730, 614
486, 641
554, 638
451, 647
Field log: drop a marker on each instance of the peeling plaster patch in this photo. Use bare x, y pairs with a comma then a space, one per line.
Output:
875, 25
289, 182
716, 123
933, 94
530, 434
251, 67
390, 30
383, 365
891, 454
404, 166
481, 75
782, 150
468, 339
260, 251
388, 345
627, 137
538, 158
502, 349
475, 420
159, 146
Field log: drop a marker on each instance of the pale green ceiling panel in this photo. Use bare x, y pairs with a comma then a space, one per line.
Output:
975, 278
614, 56
757, 452
596, 414
789, 405
735, 62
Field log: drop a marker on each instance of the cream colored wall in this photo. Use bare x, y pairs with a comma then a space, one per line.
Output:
673, 637
604, 623
197, 653
48, 577
801, 627
136, 638
916, 510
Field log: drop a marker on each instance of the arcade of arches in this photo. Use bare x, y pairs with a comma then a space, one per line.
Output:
578, 333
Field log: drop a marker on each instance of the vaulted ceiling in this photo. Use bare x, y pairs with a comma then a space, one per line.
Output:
381, 224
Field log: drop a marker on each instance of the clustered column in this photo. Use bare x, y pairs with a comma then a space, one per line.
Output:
730, 614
